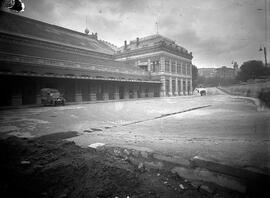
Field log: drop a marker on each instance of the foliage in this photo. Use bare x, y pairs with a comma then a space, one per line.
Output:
264, 96
251, 70
214, 81
194, 76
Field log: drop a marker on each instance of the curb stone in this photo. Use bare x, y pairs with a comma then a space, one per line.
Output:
204, 175
225, 169
172, 159
197, 170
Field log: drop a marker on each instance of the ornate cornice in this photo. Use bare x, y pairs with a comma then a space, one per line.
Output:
161, 46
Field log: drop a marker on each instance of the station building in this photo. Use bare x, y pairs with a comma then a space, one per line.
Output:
166, 61
35, 55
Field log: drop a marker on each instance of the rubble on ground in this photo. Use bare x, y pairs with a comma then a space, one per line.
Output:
56, 168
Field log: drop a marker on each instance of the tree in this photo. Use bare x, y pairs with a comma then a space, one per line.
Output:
194, 76
251, 70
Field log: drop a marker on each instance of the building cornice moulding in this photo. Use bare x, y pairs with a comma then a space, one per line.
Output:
147, 55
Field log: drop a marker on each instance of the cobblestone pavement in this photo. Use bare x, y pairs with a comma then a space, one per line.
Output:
218, 127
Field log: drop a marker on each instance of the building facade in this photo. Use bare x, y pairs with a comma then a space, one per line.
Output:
207, 72
221, 72
36, 55
164, 59
225, 73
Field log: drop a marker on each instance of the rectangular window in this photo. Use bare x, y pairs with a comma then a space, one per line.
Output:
178, 67
167, 66
184, 68
173, 67
155, 66
188, 69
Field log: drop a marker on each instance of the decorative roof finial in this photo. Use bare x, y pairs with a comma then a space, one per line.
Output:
86, 31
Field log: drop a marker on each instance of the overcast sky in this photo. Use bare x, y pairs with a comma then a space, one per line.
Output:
216, 31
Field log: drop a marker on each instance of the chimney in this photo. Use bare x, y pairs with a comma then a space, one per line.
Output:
137, 41
125, 44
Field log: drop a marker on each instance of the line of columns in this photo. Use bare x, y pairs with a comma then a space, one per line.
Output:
129, 91
182, 88
95, 92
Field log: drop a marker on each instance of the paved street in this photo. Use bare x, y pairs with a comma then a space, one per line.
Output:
218, 127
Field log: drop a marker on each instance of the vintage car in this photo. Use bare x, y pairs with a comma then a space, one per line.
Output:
51, 96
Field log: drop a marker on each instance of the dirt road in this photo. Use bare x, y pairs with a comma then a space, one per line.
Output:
218, 127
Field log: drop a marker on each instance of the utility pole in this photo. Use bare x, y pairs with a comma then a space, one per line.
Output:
264, 49
265, 56
266, 30
157, 26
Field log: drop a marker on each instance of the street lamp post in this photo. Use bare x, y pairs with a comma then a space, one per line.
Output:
266, 29
265, 54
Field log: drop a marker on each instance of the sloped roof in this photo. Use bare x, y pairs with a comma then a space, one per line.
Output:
22, 26
150, 41
46, 58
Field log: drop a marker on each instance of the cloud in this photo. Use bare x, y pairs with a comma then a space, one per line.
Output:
40, 10
215, 31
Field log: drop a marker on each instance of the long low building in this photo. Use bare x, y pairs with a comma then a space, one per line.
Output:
35, 55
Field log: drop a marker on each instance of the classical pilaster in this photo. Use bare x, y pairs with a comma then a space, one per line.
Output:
134, 92
93, 96
181, 68
38, 94
16, 99
162, 64
142, 92
149, 65
151, 92
191, 88
163, 86
176, 87
186, 87
116, 95
126, 92
170, 65
38, 99
105, 95
181, 87
93, 93
170, 91
78, 92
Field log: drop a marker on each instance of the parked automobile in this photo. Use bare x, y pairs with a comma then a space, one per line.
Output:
51, 96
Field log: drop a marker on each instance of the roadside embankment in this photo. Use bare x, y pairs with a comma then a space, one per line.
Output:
200, 172
45, 167
255, 90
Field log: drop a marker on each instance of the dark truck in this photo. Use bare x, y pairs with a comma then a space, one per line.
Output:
51, 96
